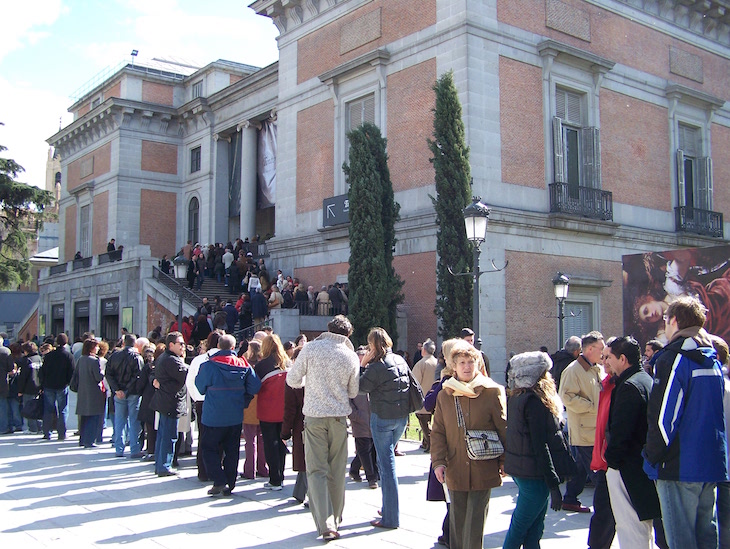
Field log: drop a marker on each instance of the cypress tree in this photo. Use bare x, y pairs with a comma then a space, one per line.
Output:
374, 285
452, 173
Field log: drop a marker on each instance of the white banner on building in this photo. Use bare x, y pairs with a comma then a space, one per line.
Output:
267, 165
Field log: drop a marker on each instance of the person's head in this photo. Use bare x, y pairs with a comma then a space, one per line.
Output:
649, 310
253, 354
268, 330
379, 342
140, 344
112, 241
467, 334
148, 353
211, 342
592, 346
466, 361
289, 348
45, 349
61, 340
446, 347
652, 347
340, 325
622, 353
226, 342
428, 347
721, 347
300, 340
30, 348
175, 343
526, 369
129, 340
685, 312
90, 347
271, 347
103, 349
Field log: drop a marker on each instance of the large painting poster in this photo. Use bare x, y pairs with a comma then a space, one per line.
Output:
653, 280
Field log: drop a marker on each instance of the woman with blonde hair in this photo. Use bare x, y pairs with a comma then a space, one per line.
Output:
468, 401
536, 454
271, 370
386, 379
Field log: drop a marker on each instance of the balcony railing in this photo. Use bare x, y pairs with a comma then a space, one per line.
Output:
108, 257
58, 269
581, 201
84, 263
694, 220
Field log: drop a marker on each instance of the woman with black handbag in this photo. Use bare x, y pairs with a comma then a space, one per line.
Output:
467, 440
536, 454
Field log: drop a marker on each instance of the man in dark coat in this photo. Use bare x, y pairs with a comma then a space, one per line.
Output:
562, 358
170, 400
634, 499
259, 308
122, 373
56, 373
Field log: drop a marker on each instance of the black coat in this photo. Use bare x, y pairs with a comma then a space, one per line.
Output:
532, 430
57, 369
145, 388
29, 375
171, 398
626, 436
6, 366
387, 384
122, 370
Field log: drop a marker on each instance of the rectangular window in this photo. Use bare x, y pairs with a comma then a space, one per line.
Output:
578, 318
357, 113
195, 160
198, 89
85, 233
96, 102
576, 146
694, 172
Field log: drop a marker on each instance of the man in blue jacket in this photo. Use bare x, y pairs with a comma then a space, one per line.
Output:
685, 448
229, 385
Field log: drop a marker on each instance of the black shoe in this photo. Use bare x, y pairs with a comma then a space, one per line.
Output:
216, 491
443, 541
227, 491
355, 476
168, 473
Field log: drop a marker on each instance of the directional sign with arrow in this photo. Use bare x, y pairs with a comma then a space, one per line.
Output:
336, 210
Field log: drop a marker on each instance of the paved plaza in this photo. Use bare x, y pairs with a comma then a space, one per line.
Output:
58, 494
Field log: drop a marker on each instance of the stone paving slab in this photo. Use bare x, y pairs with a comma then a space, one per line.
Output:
56, 494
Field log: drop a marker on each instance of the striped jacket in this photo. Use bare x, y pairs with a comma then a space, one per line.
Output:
686, 440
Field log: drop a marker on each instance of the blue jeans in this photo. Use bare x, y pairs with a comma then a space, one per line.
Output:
582, 456
125, 414
165, 444
723, 513
688, 513
55, 400
15, 419
4, 416
386, 433
528, 518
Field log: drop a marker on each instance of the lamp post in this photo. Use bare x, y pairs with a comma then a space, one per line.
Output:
476, 220
560, 285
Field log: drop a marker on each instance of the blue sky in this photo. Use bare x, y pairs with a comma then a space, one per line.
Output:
50, 48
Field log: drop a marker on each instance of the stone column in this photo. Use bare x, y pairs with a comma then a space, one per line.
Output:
249, 148
219, 196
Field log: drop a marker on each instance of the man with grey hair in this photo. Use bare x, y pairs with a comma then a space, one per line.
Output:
424, 372
580, 387
562, 358
332, 370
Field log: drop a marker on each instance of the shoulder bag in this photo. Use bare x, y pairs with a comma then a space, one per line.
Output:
415, 393
481, 444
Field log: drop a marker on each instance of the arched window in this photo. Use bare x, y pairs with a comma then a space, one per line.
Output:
57, 180
193, 220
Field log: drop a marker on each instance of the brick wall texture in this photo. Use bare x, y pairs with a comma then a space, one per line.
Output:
153, 92
159, 157
315, 156
113, 91
233, 78
83, 110
634, 151
157, 315
101, 158
521, 115
721, 168
30, 328
100, 223
529, 297
69, 242
618, 39
410, 123
317, 53
419, 273
157, 221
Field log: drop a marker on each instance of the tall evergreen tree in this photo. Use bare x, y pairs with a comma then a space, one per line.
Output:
375, 288
452, 173
21, 213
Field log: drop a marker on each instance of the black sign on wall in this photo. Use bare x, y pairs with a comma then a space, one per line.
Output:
57, 312
82, 309
110, 307
336, 211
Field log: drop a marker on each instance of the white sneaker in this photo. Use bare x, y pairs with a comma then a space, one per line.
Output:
271, 487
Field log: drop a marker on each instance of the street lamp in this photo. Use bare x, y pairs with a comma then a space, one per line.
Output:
560, 285
476, 220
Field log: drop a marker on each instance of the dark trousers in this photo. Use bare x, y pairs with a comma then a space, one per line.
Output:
274, 450
603, 525
151, 437
229, 439
582, 456
202, 474
366, 457
88, 430
423, 420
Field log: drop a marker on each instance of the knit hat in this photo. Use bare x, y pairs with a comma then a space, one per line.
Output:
527, 368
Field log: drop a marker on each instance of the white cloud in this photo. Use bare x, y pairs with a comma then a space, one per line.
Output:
20, 17
30, 116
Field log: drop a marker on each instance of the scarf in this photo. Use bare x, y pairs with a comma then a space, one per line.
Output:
459, 388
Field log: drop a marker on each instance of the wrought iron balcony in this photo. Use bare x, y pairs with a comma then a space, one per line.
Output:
581, 201
694, 220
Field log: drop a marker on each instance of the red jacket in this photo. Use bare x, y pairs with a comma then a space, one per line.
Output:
598, 462
271, 395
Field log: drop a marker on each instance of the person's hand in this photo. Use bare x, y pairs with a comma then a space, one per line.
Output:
119, 394
556, 499
156, 384
440, 473
501, 471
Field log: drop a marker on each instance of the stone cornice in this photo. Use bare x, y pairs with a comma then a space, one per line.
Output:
552, 48
372, 58
288, 14
704, 100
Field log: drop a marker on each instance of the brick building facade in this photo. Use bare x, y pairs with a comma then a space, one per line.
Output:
597, 128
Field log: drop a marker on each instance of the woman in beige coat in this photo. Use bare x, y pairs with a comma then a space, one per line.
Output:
469, 482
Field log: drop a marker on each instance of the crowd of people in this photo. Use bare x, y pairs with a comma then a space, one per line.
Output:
649, 432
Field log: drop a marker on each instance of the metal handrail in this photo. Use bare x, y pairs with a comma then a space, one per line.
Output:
188, 295
247, 333
581, 201
699, 221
